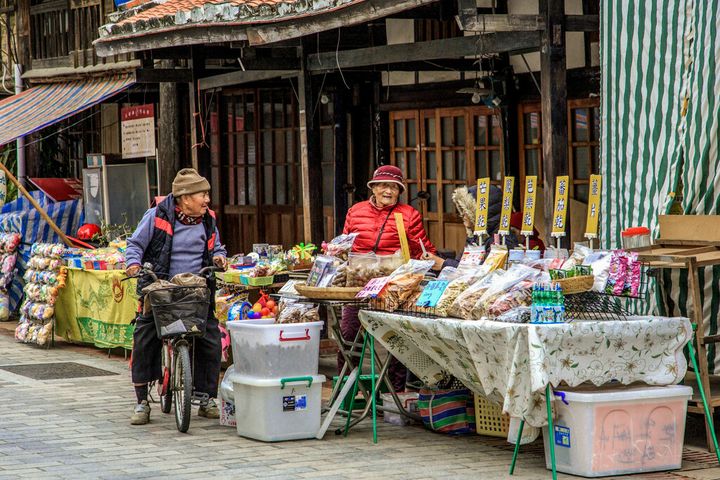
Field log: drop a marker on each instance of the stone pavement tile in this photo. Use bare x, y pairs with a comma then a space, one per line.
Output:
702, 474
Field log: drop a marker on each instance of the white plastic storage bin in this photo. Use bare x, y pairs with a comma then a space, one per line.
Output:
616, 431
264, 349
278, 409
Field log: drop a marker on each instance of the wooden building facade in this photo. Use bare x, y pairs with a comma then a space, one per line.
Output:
290, 115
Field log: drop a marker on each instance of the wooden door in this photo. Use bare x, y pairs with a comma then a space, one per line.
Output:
440, 150
255, 164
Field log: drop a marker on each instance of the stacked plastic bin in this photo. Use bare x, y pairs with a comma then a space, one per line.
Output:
276, 386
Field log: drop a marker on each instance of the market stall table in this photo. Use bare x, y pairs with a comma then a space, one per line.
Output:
513, 363
96, 307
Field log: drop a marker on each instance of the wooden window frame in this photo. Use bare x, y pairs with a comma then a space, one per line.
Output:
422, 147
523, 109
589, 104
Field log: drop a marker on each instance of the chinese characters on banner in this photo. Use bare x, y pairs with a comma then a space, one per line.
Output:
562, 184
137, 129
528, 218
506, 209
481, 207
593, 212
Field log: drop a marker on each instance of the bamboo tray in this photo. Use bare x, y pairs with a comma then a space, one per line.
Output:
328, 293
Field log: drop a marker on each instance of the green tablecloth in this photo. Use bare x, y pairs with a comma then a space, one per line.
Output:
96, 307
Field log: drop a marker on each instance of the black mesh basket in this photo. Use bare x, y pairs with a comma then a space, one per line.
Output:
180, 310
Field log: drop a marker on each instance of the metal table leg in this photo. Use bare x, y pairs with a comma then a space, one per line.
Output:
517, 446
551, 430
708, 416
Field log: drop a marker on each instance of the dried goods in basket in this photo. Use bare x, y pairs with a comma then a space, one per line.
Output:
574, 285
328, 293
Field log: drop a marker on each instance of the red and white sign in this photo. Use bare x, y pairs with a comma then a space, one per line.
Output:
60, 189
137, 129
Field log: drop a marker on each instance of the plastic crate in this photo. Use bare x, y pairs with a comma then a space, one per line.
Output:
489, 419
257, 281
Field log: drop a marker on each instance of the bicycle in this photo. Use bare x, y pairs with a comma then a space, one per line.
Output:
180, 314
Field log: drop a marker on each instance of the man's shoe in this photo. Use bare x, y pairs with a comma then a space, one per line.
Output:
210, 410
141, 416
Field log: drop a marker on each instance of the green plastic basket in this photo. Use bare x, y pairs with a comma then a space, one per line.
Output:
257, 281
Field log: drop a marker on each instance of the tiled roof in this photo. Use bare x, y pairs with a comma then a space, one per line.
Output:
164, 14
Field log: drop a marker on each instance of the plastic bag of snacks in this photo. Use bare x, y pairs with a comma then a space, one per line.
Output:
463, 305
625, 274
4, 306
511, 282
497, 257
457, 286
577, 257
340, 246
9, 242
299, 313
402, 284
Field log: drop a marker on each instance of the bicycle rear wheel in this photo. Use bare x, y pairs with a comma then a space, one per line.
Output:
183, 387
165, 391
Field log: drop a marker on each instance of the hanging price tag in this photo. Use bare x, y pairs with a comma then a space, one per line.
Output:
593, 212
562, 184
528, 222
431, 293
506, 209
481, 206
373, 288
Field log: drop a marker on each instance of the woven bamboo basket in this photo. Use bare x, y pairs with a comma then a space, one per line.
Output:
573, 285
328, 293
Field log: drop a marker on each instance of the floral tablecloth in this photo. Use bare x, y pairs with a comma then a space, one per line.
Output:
512, 363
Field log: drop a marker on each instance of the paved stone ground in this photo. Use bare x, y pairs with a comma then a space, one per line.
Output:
79, 429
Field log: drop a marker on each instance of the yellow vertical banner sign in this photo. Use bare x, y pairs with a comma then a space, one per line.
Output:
561, 204
481, 206
404, 247
593, 212
506, 209
528, 218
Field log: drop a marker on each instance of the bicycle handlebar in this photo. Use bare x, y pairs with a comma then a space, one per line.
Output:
147, 269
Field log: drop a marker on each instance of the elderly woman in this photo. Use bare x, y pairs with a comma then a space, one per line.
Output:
374, 222
178, 236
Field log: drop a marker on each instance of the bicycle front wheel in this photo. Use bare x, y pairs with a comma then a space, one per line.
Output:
183, 387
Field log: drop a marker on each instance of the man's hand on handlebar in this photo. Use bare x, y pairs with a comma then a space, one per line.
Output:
220, 262
132, 270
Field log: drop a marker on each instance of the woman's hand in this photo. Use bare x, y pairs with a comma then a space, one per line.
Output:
438, 261
220, 262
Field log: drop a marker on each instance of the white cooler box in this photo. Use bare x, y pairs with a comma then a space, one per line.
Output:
262, 348
278, 409
616, 431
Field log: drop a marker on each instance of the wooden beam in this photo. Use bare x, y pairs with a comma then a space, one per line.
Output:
582, 23
310, 161
362, 12
157, 75
239, 77
501, 23
179, 37
524, 23
168, 133
553, 86
434, 49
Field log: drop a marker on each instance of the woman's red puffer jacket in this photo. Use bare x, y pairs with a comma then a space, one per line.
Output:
367, 219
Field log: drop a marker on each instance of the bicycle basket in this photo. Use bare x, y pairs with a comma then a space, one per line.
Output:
180, 310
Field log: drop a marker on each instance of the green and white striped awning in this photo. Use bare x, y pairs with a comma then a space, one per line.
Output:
660, 117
